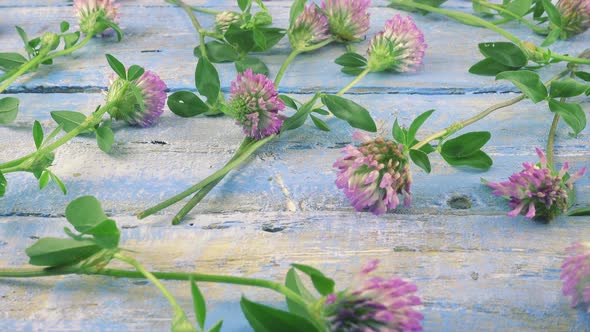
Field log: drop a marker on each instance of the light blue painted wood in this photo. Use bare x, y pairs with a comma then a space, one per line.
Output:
477, 270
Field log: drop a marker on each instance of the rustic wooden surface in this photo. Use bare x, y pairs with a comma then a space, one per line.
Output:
477, 270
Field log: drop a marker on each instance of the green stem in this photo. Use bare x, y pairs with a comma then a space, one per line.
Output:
288, 61
24, 68
461, 17
458, 126
551, 140
247, 151
197, 26
148, 275
353, 82
476, 21
141, 274
195, 8
198, 197
501, 9
43, 56
295, 53
69, 50
570, 59
89, 122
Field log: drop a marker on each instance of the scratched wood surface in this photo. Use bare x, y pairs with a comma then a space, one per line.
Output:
477, 270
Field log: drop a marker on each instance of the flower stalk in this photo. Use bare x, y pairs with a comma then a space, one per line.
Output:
460, 125
479, 22
25, 163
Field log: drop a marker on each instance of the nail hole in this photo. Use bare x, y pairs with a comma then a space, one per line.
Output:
460, 202
272, 228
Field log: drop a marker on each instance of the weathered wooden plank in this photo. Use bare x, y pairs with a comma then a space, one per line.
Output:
149, 164
165, 46
481, 273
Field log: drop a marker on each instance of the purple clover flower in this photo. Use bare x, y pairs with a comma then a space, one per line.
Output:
373, 174
537, 191
90, 11
399, 47
311, 27
127, 108
376, 305
575, 273
575, 16
255, 104
348, 19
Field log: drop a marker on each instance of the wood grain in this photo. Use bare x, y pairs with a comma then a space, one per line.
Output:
477, 270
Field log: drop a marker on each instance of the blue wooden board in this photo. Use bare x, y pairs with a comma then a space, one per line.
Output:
477, 270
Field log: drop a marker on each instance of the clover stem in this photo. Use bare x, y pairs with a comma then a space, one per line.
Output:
148, 275
294, 53
503, 10
551, 140
23, 69
458, 126
242, 154
89, 122
141, 273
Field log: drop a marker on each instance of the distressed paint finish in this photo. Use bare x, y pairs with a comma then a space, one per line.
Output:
477, 270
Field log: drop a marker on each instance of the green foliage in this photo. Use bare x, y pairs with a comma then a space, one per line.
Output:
349, 111
465, 150
352, 63
250, 62
322, 284
68, 120
263, 318
134, 72
3, 184
295, 284
505, 53
572, 114
207, 80
10, 61
117, 66
186, 104
8, 109
218, 52
528, 82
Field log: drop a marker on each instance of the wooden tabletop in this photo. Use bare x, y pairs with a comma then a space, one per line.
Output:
476, 268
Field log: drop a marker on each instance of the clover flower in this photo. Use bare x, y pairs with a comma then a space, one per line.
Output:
575, 16
124, 95
373, 174
348, 19
537, 191
225, 19
90, 12
255, 105
575, 273
311, 27
399, 47
375, 305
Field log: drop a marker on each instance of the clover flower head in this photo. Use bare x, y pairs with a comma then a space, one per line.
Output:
399, 47
575, 16
255, 104
373, 174
575, 273
348, 19
124, 96
375, 305
537, 191
311, 27
90, 12
225, 19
